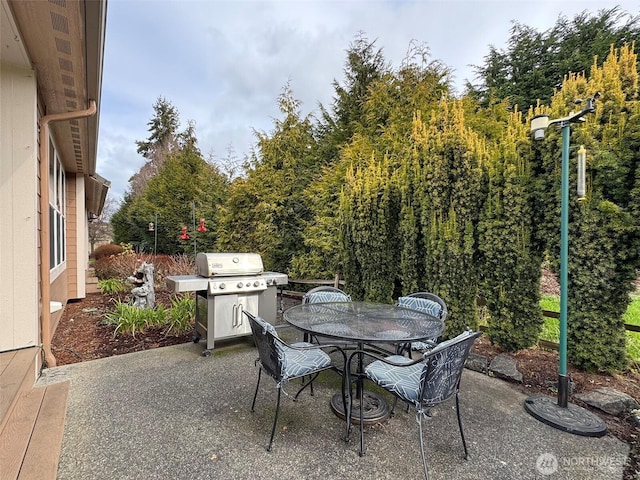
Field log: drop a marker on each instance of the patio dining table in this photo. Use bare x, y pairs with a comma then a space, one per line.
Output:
366, 325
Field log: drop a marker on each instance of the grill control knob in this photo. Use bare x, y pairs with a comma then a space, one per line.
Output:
256, 283
239, 284
222, 286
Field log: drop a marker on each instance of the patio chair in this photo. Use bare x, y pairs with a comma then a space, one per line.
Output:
285, 362
424, 383
428, 303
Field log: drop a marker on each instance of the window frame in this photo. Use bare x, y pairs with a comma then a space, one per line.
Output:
57, 214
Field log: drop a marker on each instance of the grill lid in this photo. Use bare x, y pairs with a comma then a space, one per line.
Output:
228, 264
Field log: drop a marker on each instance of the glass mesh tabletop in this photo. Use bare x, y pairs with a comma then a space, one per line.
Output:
364, 321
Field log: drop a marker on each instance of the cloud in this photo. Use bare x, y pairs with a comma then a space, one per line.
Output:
223, 64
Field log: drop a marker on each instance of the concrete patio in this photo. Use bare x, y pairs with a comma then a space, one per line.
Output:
171, 413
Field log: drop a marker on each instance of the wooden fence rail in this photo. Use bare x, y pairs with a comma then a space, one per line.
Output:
336, 282
555, 346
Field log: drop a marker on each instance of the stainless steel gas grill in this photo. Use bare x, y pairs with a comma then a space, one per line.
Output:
226, 284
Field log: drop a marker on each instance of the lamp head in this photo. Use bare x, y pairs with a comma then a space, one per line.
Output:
539, 124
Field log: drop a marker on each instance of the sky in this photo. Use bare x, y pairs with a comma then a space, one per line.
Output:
223, 63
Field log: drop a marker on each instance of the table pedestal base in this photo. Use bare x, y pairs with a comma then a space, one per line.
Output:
376, 408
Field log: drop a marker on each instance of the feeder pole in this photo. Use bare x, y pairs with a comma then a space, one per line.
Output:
563, 379
561, 414
155, 239
195, 252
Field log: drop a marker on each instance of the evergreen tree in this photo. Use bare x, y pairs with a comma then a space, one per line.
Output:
365, 65
379, 106
186, 189
604, 241
121, 223
511, 256
174, 188
535, 63
163, 129
450, 188
368, 216
163, 140
266, 210
320, 256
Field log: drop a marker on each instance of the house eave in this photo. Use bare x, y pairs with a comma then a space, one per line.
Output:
65, 44
96, 189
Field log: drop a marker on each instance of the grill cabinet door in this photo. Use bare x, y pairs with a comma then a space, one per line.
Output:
229, 319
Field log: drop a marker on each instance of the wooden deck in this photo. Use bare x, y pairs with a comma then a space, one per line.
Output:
31, 419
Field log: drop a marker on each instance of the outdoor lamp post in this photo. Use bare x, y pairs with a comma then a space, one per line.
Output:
562, 415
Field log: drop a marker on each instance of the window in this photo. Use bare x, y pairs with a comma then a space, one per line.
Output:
57, 210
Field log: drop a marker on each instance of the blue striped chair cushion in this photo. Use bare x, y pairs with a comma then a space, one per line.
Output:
296, 363
322, 297
421, 304
403, 381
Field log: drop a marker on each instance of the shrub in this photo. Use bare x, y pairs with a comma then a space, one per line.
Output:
119, 266
124, 265
104, 269
106, 250
129, 319
111, 286
166, 265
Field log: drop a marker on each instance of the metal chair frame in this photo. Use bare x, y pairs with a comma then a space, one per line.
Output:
453, 353
269, 360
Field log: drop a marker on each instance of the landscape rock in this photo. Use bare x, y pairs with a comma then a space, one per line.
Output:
608, 400
506, 367
476, 362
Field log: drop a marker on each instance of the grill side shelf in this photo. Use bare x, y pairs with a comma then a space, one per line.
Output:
187, 283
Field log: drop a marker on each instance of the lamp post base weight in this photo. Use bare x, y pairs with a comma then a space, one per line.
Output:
571, 419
